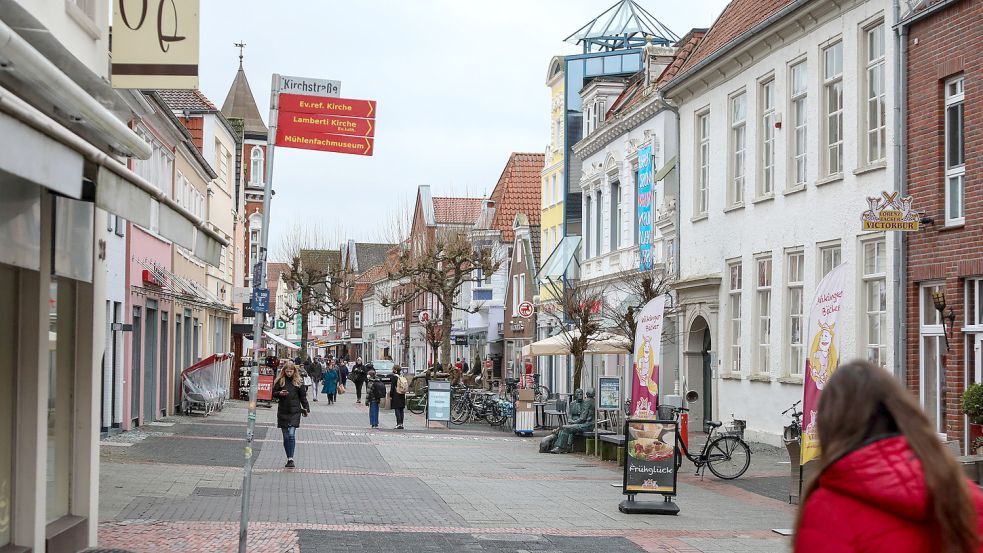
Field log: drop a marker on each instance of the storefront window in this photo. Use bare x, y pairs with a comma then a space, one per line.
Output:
61, 371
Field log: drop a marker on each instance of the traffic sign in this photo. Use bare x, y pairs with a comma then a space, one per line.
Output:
261, 300
525, 309
423, 316
296, 103
330, 124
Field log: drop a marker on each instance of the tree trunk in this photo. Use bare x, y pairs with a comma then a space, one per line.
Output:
446, 323
304, 322
578, 368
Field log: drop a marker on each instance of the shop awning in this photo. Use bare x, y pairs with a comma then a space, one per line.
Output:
606, 343
280, 340
71, 159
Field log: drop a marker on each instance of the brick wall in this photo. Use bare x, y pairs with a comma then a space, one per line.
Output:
941, 46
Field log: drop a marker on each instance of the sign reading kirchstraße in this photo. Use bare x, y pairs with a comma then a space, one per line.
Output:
309, 86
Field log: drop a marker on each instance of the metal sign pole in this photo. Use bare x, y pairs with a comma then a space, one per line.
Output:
259, 281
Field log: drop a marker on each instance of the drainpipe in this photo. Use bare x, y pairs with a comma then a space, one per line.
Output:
901, 174
680, 321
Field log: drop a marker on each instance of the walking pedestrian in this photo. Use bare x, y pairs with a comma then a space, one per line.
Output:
885, 482
397, 395
374, 393
330, 383
314, 371
358, 378
343, 373
292, 395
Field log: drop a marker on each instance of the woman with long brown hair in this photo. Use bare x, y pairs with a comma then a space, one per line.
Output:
884, 481
289, 389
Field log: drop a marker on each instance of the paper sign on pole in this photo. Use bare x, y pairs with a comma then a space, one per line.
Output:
155, 44
647, 352
823, 341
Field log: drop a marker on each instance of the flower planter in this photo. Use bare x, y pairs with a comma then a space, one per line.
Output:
975, 431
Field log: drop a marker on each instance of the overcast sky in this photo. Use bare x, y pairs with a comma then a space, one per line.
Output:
460, 85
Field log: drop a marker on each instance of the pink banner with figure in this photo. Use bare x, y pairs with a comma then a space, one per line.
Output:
823, 343
646, 353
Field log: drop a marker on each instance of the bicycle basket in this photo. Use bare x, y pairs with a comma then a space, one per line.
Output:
734, 428
665, 413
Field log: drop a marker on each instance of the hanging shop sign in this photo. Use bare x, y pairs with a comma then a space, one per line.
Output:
155, 44
525, 309
890, 212
647, 352
650, 466
823, 340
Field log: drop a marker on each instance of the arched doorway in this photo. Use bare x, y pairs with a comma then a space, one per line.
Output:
699, 375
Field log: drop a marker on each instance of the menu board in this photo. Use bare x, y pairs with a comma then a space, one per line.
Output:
650, 455
609, 392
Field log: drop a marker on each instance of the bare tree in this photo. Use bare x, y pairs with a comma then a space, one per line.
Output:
579, 314
639, 287
314, 275
440, 267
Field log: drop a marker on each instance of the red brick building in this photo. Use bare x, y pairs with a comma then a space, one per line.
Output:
944, 121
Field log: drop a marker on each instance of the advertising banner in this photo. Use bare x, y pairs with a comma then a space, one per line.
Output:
609, 392
155, 44
439, 401
650, 457
823, 357
645, 208
265, 390
647, 352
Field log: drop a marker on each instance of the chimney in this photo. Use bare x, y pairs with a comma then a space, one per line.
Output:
657, 58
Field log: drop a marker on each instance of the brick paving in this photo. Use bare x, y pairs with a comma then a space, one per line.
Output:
439, 489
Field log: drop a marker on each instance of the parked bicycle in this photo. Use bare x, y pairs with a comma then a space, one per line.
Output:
512, 391
727, 456
793, 432
476, 405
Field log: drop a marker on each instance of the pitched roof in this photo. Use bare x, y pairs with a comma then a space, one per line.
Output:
374, 274
369, 255
193, 100
321, 259
240, 104
273, 272
739, 17
518, 191
684, 48
456, 211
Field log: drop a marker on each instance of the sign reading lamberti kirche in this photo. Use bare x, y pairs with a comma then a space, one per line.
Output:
155, 44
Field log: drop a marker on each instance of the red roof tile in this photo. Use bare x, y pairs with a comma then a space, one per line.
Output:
737, 18
377, 272
193, 100
684, 48
518, 191
456, 211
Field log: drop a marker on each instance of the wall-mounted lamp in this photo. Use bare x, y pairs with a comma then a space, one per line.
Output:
938, 298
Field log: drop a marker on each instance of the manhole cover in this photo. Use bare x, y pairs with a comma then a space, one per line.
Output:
507, 537
216, 492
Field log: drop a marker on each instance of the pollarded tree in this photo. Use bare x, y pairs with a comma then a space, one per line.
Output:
440, 267
579, 314
639, 287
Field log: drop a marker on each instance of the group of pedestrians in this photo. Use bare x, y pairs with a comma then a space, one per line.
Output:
395, 385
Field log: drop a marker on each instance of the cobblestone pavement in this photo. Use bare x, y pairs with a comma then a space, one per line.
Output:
177, 487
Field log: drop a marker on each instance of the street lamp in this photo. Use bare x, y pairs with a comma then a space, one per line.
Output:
938, 298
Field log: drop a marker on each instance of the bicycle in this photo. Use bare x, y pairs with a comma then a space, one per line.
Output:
471, 406
418, 402
727, 456
793, 432
542, 393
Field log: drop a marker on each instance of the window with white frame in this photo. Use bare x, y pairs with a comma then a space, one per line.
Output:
829, 258
587, 220
875, 104
357, 319
738, 148
253, 250
546, 193
256, 165
798, 84
875, 301
932, 347
597, 223
794, 278
974, 302
766, 185
763, 315
222, 163
616, 215
833, 109
973, 330
670, 259
702, 203
955, 151
734, 291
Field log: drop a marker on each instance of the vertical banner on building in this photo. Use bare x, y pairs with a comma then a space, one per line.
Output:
823, 358
644, 192
647, 351
155, 44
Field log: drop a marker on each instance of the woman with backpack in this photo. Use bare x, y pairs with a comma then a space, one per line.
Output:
397, 395
374, 393
292, 395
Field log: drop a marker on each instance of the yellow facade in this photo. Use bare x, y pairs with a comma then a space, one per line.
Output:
551, 219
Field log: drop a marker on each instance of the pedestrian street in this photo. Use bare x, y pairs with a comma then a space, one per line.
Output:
175, 486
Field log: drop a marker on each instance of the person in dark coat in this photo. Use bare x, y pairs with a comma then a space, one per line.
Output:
314, 371
292, 395
343, 373
358, 378
374, 393
397, 400
330, 383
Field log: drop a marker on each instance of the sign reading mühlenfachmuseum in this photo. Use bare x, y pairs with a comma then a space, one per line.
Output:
155, 44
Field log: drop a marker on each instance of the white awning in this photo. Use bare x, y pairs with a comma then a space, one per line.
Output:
606, 343
280, 340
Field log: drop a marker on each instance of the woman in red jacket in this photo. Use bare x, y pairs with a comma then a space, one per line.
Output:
885, 482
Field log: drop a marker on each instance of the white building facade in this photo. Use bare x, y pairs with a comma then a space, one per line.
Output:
783, 136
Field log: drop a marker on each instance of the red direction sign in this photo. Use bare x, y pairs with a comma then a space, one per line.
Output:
306, 140
525, 309
330, 124
317, 105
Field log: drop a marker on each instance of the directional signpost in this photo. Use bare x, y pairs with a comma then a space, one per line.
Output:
305, 113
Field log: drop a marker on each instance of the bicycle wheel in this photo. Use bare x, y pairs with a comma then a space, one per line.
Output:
495, 416
728, 457
542, 394
461, 411
417, 404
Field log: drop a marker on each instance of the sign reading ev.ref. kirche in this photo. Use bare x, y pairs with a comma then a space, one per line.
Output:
327, 124
155, 44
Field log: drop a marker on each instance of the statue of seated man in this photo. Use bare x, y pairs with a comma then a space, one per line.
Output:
584, 422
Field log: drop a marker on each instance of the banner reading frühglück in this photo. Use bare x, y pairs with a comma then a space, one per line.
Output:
647, 351
823, 358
